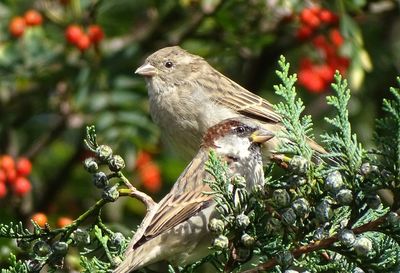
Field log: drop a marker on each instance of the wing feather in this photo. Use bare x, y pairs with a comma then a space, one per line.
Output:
230, 94
185, 199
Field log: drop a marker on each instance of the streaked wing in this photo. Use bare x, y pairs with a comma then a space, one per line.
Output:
185, 199
234, 96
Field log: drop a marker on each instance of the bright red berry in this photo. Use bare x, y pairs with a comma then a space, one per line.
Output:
11, 175
336, 38
73, 33
7, 162
309, 18
151, 177
95, 33
40, 219
142, 159
325, 72
3, 190
304, 32
328, 16
33, 18
311, 81
24, 166
21, 186
17, 26
83, 42
63, 221
3, 176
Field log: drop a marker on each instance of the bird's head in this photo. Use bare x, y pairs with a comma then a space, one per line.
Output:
236, 140
170, 65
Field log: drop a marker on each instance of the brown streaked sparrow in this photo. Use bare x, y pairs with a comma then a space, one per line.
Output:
177, 230
187, 96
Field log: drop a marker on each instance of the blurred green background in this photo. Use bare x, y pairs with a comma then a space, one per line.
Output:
50, 90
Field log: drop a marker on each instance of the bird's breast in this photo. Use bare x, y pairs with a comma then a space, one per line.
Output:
184, 114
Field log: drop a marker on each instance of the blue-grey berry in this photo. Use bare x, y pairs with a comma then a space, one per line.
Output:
323, 211
373, 201
242, 221
347, 237
41, 248
281, 198
104, 153
289, 217
344, 197
362, 246
334, 182
116, 163
299, 164
60, 248
216, 226
91, 165
301, 207
100, 180
247, 240
221, 242
110, 193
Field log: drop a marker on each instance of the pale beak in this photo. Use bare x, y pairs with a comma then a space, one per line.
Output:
146, 70
261, 136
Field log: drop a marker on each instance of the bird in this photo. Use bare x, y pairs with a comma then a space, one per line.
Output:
177, 230
187, 96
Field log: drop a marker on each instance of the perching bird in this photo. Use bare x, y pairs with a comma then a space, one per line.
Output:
178, 229
187, 96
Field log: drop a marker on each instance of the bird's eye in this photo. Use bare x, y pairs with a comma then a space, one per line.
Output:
240, 129
168, 64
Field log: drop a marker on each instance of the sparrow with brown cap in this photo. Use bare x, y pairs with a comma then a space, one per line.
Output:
177, 231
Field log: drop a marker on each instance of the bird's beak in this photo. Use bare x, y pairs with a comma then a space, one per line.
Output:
146, 70
261, 136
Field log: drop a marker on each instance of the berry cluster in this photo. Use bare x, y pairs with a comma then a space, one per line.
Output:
18, 24
41, 220
149, 172
320, 27
76, 36
13, 175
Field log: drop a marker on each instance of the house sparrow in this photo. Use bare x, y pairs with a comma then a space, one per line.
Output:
187, 96
177, 230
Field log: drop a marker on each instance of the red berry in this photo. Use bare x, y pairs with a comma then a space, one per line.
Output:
325, 72
21, 186
304, 32
95, 33
142, 159
40, 219
151, 177
309, 18
63, 221
311, 81
11, 175
33, 18
7, 162
3, 176
83, 43
336, 38
73, 33
24, 166
320, 42
17, 26
3, 189
328, 16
